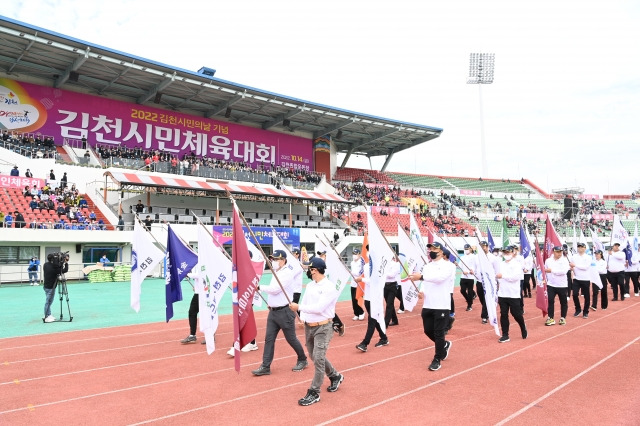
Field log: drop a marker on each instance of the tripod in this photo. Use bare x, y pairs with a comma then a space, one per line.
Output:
61, 282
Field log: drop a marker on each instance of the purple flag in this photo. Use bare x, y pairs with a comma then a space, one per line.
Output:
180, 260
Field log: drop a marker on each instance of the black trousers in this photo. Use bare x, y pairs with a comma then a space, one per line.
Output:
194, 309
510, 304
480, 292
357, 309
562, 295
390, 315
296, 297
581, 286
633, 277
435, 323
399, 297
616, 279
285, 320
529, 281
466, 290
372, 325
604, 296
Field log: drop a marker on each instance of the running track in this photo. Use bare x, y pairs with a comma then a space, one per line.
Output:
585, 372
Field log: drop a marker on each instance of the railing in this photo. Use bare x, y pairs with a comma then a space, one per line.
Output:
37, 150
17, 274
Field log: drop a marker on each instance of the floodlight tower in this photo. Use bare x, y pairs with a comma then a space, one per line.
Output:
481, 66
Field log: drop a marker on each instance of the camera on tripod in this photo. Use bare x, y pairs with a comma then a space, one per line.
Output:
59, 258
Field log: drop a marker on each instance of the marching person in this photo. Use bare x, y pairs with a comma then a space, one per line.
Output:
317, 308
509, 296
615, 271
392, 278
556, 267
372, 323
631, 274
517, 257
436, 276
357, 270
279, 317
601, 266
338, 325
467, 266
484, 315
581, 262
529, 276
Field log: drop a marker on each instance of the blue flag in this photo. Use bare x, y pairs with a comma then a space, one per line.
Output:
180, 260
525, 248
490, 240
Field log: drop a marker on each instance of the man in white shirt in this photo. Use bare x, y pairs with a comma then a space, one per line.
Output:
631, 274
392, 277
615, 271
436, 276
556, 268
357, 270
317, 309
517, 257
467, 266
509, 293
580, 263
280, 318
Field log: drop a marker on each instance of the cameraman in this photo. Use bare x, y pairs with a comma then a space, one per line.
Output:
50, 272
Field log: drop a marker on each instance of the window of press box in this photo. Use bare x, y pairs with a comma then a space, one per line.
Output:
18, 254
93, 254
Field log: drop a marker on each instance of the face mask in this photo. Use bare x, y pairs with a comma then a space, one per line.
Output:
309, 274
433, 255
467, 251
508, 256
275, 266
355, 257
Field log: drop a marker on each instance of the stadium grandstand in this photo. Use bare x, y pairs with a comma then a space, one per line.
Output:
92, 137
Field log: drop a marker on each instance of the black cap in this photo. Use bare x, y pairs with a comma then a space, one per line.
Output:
467, 246
436, 245
507, 249
316, 262
356, 251
582, 245
598, 252
616, 244
278, 254
321, 252
557, 248
496, 249
484, 243
295, 250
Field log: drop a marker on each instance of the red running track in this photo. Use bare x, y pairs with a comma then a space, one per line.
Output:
584, 372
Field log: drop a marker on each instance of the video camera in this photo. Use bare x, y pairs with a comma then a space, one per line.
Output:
59, 258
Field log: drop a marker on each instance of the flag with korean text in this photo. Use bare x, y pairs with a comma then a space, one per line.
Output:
621, 236
144, 258
181, 259
380, 255
490, 285
245, 280
595, 241
213, 277
412, 260
364, 252
337, 272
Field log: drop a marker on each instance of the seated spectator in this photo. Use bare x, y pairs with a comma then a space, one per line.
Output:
83, 203
92, 215
8, 220
27, 191
33, 205
1, 219
60, 211
35, 191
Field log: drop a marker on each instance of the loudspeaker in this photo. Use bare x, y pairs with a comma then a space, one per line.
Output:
158, 98
568, 208
73, 76
78, 248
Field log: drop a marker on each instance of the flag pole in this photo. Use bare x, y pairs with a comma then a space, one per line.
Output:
259, 247
273, 230
336, 251
455, 253
223, 251
149, 232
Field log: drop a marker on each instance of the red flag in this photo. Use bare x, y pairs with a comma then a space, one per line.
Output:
542, 299
245, 281
551, 240
365, 255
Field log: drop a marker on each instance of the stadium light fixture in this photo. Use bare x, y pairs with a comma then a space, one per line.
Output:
481, 67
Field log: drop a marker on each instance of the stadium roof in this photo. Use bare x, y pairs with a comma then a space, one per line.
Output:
216, 187
29, 52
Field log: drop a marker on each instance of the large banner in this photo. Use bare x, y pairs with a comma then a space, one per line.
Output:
290, 236
30, 108
19, 182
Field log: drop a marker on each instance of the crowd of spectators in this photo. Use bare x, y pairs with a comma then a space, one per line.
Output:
30, 145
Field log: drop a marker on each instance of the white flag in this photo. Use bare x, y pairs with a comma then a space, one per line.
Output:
412, 260
144, 257
212, 280
618, 233
416, 236
379, 257
295, 264
490, 288
336, 271
595, 241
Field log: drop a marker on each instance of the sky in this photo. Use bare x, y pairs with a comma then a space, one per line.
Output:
563, 110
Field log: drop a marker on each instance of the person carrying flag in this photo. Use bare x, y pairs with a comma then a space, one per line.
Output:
436, 276
392, 278
601, 267
279, 317
357, 270
467, 266
317, 308
557, 267
615, 271
509, 299
580, 263
484, 315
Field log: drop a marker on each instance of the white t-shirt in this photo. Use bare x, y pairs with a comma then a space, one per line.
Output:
436, 287
509, 284
319, 301
558, 275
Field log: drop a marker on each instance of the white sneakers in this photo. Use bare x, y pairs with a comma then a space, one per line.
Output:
247, 348
400, 311
627, 295
50, 318
355, 318
361, 317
